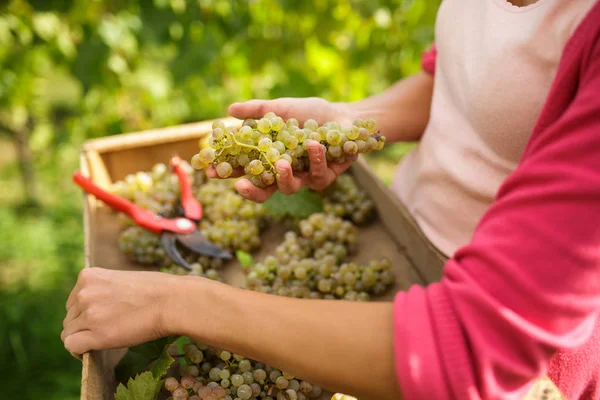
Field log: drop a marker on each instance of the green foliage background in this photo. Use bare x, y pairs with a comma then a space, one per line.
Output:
72, 70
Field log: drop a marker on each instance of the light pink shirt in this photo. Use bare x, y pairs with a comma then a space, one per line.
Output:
520, 298
495, 68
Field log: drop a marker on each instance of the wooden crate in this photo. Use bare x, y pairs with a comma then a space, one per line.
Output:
109, 159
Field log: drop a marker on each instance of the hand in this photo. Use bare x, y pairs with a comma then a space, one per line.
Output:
320, 174
115, 309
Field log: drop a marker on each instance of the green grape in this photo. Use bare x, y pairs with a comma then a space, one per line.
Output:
248, 377
243, 159
218, 134
370, 125
256, 167
245, 366
281, 136
218, 124
292, 122
259, 375
214, 374
371, 143
225, 355
335, 151
264, 125
277, 123
380, 145
281, 383
264, 144
224, 169
187, 382
180, 393
324, 285
270, 115
307, 143
197, 162
225, 383
244, 392
302, 134
291, 394
272, 154
250, 123
358, 122
291, 142
350, 148
316, 136
237, 380
171, 384
334, 137
311, 124
245, 133
267, 178
333, 125
286, 157
363, 134
279, 146
362, 146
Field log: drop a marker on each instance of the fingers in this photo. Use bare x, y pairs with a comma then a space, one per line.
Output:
80, 342
287, 183
320, 174
251, 109
72, 326
247, 190
72, 313
211, 172
340, 168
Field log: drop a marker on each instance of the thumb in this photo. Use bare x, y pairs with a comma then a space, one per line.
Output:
252, 109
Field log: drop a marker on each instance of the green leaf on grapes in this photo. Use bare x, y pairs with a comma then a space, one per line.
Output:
143, 387
301, 204
160, 367
244, 258
139, 358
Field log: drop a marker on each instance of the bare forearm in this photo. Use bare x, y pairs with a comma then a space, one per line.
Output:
343, 346
402, 111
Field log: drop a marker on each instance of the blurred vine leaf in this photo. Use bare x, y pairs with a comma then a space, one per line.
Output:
301, 204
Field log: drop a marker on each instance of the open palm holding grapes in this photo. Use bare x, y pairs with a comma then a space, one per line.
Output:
286, 144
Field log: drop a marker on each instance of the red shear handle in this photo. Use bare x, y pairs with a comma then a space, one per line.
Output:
144, 218
191, 207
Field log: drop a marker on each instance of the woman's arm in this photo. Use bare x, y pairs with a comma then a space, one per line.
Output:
402, 111
528, 284
340, 345
343, 346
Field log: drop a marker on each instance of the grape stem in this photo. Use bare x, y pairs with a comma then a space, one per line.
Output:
254, 148
177, 355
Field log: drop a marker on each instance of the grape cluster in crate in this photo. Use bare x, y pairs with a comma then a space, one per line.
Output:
312, 261
212, 374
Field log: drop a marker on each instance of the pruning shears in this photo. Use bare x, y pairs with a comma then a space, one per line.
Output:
182, 230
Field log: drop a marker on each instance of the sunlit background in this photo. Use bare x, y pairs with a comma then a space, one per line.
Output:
73, 70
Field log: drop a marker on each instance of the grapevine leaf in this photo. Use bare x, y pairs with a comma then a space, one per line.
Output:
143, 387
244, 258
139, 358
160, 367
301, 204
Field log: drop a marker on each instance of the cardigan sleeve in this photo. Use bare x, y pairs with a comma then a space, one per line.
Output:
528, 284
428, 59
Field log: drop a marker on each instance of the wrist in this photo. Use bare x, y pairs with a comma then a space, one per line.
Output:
345, 113
173, 303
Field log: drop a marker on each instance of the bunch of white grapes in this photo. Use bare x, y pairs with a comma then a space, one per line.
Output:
229, 220
215, 374
156, 190
345, 199
258, 144
313, 264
